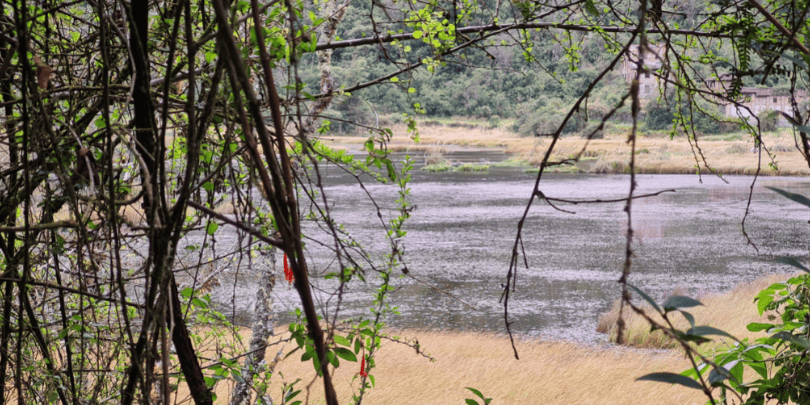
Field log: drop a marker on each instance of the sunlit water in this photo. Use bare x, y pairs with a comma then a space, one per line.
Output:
463, 229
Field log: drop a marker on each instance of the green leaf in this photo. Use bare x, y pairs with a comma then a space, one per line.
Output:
679, 301
470, 401
212, 228
792, 196
290, 353
689, 318
417, 34
187, 292
756, 327
796, 339
671, 378
345, 354
342, 341
330, 357
709, 330
392, 173
292, 395
764, 298
306, 356
645, 297
719, 374
476, 392
792, 262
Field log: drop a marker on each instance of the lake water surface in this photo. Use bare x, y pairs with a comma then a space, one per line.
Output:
462, 231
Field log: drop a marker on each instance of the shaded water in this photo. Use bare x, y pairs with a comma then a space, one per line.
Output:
461, 234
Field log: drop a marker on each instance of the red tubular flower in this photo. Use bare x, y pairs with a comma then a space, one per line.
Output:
363, 372
288, 274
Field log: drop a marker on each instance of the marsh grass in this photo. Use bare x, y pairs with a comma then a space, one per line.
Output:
547, 373
439, 167
469, 167
447, 167
725, 153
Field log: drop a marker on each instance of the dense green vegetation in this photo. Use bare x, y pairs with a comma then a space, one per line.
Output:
532, 78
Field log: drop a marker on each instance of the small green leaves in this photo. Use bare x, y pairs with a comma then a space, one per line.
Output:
479, 395
417, 34
211, 228
765, 297
791, 338
726, 371
671, 378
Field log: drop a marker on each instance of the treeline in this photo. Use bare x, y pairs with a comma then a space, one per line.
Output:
497, 83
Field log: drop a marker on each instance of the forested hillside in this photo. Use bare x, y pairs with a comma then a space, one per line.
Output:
495, 82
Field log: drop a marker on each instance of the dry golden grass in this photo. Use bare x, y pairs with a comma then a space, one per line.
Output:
658, 154
548, 373
731, 312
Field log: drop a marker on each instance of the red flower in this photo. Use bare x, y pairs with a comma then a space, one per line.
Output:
288, 274
363, 372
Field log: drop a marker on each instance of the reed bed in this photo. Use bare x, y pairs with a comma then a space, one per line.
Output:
725, 154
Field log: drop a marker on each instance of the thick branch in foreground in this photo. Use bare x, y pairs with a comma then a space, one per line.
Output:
280, 196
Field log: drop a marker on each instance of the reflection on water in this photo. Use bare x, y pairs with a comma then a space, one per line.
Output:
461, 235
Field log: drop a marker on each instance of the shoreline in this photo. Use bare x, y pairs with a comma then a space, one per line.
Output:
656, 153
548, 372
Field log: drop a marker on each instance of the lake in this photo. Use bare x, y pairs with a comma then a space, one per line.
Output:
462, 231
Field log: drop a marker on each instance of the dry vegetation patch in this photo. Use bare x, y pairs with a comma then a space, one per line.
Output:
656, 152
731, 312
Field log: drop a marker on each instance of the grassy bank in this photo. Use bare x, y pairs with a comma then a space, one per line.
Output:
731, 312
547, 372
655, 152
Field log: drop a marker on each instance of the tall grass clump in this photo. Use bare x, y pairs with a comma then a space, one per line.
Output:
731, 312
439, 167
469, 167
